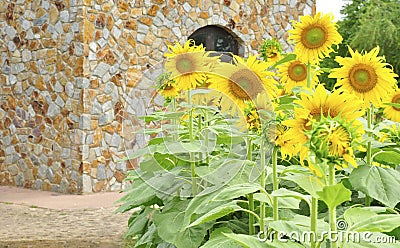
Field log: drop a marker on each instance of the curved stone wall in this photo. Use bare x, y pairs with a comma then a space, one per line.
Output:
75, 75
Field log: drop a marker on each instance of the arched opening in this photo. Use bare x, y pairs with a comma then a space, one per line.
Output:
219, 39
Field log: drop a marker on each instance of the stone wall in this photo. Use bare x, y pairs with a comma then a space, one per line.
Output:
76, 74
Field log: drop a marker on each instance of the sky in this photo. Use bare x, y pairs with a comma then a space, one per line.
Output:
331, 6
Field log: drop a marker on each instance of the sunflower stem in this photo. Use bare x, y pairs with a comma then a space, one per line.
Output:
275, 186
250, 196
308, 75
369, 147
314, 218
206, 135
332, 211
173, 105
262, 182
191, 154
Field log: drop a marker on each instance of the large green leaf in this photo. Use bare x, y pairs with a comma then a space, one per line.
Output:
309, 183
357, 214
254, 242
169, 228
138, 222
377, 223
371, 240
282, 192
380, 183
140, 194
236, 191
299, 225
387, 157
334, 195
287, 203
217, 213
219, 240
221, 172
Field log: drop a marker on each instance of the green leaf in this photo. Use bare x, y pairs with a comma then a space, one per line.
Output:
391, 158
236, 191
282, 192
201, 203
137, 223
169, 225
287, 58
299, 224
140, 195
286, 203
219, 240
221, 172
334, 195
253, 242
377, 223
357, 214
309, 183
148, 237
377, 182
217, 213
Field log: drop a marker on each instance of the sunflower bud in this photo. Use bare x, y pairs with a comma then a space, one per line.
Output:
319, 142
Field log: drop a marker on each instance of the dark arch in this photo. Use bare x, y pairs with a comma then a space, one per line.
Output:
219, 39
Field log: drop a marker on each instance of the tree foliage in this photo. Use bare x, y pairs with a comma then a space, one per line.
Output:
367, 24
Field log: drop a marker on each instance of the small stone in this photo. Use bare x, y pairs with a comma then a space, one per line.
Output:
84, 122
101, 172
64, 16
119, 175
153, 10
88, 31
40, 21
53, 110
86, 184
99, 186
53, 14
13, 170
101, 69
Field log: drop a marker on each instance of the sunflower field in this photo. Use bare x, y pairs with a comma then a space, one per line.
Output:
256, 152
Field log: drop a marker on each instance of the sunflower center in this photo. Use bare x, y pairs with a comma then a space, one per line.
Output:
245, 84
325, 111
339, 141
297, 71
185, 64
396, 99
362, 78
314, 37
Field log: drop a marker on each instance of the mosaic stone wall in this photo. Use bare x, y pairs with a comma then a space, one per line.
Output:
76, 74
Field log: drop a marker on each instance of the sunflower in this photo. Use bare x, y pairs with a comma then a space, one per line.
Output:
242, 81
366, 76
169, 89
314, 37
271, 51
188, 65
284, 140
334, 139
320, 105
294, 73
393, 112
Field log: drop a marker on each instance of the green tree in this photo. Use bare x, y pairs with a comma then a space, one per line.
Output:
367, 24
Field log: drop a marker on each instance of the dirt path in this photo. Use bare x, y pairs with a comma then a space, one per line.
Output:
24, 225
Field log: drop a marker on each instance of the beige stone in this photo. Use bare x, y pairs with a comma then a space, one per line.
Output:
146, 20
141, 50
53, 14
131, 24
153, 10
88, 31
132, 77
